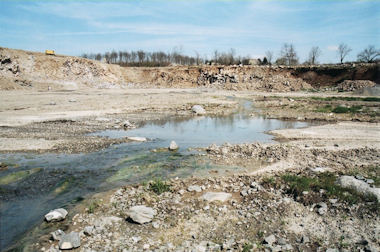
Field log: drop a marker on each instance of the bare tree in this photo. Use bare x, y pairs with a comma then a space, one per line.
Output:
141, 56
314, 53
370, 54
269, 56
289, 54
343, 51
216, 56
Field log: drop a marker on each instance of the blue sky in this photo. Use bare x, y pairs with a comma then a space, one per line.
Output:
251, 27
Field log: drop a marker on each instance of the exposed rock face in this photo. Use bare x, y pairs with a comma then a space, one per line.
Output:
359, 186
216, 196
56, 215
198, 110
70, 241
141, 214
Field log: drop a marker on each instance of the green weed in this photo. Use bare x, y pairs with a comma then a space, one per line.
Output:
93, 206
247, 247
158, 186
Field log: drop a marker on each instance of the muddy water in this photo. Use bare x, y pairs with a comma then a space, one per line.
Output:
33, 184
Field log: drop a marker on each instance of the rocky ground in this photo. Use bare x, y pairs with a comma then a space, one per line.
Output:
302, 209
317, 190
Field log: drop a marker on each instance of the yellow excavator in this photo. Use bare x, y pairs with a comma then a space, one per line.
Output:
49, 52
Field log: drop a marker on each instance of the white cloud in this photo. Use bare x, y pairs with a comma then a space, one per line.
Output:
332, 48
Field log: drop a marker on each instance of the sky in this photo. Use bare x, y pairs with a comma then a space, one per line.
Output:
250, 27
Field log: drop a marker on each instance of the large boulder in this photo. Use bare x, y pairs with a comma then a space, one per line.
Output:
56, 215
70, 241
216, 196
141, 214
198, 110
173, 146
360, 186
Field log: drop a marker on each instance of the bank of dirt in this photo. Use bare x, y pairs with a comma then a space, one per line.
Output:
37, 71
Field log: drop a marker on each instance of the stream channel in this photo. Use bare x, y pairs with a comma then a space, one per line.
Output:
33, 184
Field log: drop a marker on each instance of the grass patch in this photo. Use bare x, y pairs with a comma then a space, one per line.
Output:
325, 181
17, 176
353, 109
339, 109
158, 186
325, 109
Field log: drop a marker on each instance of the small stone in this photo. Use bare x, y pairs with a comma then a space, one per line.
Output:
102, 119
333, 201
181, 191
194, 188
369, 181
216, 196
287, 247
281, 241
136, 239
336, 145
141, 214
70, 241
270, 239
332, 250
155, 225
198, 110
56, 215
173, 146
137, 139
322, 208
128, 125
305, 239
360, 177
57, 235
256, 185
89, 230
244, 193
146, 246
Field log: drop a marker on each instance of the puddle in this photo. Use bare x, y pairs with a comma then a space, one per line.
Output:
41, 182
202, 131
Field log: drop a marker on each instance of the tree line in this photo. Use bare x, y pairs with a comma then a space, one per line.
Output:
287, 56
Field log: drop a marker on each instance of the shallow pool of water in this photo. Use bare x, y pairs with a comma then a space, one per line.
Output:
63, 179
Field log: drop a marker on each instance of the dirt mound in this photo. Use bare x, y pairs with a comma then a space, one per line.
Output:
20, 69
352, 85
